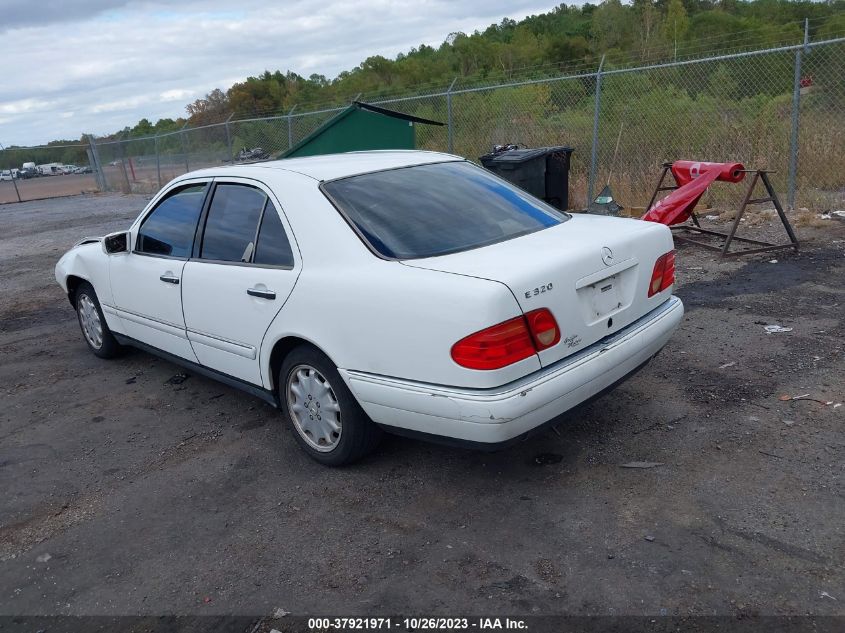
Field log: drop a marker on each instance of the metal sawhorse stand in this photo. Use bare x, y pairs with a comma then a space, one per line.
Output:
759, 246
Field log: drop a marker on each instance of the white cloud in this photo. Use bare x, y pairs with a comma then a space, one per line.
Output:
111, 64
123, 104
23, 106
177, 94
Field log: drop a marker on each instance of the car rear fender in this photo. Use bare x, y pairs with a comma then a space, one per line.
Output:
388, 319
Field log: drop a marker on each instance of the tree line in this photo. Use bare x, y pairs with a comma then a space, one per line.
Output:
567, 38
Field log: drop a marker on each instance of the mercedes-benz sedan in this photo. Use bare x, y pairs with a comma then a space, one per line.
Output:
405, 291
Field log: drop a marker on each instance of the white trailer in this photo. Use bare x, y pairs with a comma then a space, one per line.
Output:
50, 169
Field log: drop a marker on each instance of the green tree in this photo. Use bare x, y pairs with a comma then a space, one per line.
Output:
611, 26
213, 108
567, 49
676, 24
523, 50
833, 27
647, 26
142, 128
264, 94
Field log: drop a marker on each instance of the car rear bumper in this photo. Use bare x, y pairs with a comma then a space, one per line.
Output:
498, 415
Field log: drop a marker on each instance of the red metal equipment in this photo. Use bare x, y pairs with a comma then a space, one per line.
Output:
692, 180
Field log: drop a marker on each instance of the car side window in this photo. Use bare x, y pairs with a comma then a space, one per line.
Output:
232, 222
273, 247
169, 230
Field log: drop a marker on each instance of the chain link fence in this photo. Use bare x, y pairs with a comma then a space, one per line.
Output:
820, 174
51, 170
723, 110
780, 109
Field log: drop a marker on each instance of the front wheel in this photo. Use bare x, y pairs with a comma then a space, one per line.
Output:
327, 420
95, 330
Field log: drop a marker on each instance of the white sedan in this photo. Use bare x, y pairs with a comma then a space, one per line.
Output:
404, 291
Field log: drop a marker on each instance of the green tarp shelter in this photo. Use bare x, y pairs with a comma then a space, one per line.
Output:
361, 126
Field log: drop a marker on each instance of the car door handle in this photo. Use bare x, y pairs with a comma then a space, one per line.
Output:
170, 279
263, 294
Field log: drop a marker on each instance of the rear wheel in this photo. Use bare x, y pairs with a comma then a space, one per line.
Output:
95, 330
327, 421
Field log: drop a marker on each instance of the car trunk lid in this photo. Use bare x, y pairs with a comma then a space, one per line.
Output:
591, 272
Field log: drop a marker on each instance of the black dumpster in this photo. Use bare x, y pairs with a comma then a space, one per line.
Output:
542, 172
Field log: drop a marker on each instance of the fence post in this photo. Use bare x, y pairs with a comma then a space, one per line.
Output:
594, 158
14, 180
122, 147
98, 167
290, 127
92, 163
796, 107
158, 161
450, 129
184, 147
229, 136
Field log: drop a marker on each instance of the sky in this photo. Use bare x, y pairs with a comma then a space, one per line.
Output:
92, 66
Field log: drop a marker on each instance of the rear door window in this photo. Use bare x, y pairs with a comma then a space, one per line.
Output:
232, 223
435, 209
169, 229
273, 248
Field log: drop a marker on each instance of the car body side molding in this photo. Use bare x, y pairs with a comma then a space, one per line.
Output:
265, 394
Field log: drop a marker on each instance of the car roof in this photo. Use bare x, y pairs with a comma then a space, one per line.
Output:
332, 166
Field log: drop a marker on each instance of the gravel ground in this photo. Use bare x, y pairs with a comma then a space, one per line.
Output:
125, 494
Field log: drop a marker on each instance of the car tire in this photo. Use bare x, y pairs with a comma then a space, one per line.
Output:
326, 419
93, 324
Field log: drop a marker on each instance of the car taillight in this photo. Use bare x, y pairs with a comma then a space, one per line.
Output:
508, 342
663, 274
668, 270
543, 327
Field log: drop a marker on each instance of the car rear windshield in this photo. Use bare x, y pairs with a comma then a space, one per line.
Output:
435, 209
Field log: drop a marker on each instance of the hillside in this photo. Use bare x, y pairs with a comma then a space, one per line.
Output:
564, 39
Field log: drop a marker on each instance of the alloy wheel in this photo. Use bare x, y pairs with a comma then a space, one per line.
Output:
314, 408
89, 319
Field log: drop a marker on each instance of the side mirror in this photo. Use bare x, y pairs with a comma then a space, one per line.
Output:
116, 243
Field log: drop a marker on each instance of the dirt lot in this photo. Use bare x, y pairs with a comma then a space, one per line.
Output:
140, 178
47, 187
126, 494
